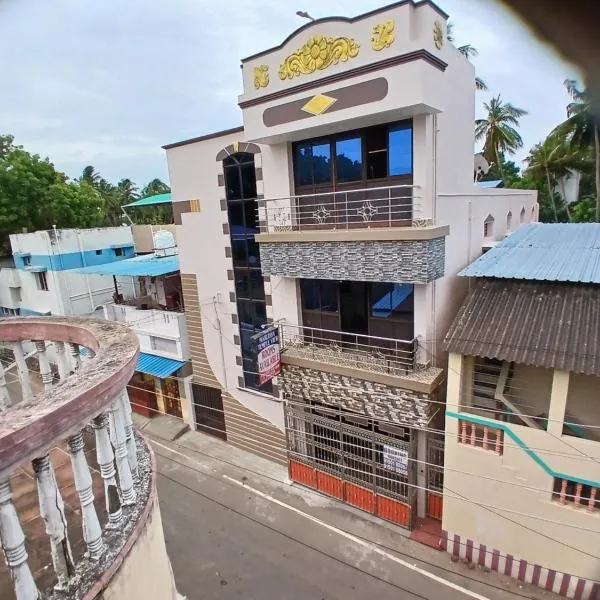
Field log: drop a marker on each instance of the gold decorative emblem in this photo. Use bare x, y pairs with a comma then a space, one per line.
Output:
318, 54
261, 76
438, 35
236, 147
318, 104
383, 35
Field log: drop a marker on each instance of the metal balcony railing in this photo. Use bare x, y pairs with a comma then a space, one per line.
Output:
390, 206
55, 402
366, 352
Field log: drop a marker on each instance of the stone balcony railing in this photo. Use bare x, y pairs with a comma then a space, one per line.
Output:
91, 529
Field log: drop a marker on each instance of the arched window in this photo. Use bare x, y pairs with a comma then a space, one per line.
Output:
242, 210
488, 228
522, 216
508, 221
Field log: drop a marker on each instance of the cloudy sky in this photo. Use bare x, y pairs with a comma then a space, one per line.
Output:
108, 82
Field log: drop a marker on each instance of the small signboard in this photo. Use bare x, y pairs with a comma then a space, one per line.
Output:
267, 354
395, 459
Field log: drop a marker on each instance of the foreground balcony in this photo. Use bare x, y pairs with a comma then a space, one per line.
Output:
78, 506
368, 234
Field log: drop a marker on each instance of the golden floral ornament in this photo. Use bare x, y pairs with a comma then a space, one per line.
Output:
318, 54
261, 76
383, 35
438, 35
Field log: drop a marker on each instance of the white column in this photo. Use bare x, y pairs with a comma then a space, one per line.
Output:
92, 532
45, 369
63, 366
75, 356
52, 510
23, 370
106, 460
4, 395
12, 541
558, 402
421, 469
119, 440
129, 437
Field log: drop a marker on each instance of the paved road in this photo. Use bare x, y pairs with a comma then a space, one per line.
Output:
226, 541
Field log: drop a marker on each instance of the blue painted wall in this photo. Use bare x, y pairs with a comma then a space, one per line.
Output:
72, 260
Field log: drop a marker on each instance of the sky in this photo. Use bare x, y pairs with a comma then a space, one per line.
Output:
109, 82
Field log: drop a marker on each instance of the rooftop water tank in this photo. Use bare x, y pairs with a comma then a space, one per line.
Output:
164, 243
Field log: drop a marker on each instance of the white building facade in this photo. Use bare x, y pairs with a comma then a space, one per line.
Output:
340, 212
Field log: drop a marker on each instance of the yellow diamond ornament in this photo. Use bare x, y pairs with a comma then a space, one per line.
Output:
318, 104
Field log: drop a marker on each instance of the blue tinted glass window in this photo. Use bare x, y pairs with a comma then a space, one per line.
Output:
310, 294
303, 165
348, 159
321, 163
400, 151
391, 299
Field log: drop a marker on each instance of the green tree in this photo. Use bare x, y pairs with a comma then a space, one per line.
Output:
128, 190
499, 131
154, 187
552, 160
582, 129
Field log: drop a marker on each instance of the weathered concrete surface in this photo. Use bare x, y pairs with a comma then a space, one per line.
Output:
226, 541
164, 426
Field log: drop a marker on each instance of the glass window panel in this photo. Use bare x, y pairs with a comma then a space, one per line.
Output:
233, 185
402, 300
400, 151
376, 151
236, 215
253, 253
242, 283
251, 216
246, 316
348, 159
303, 165
257, 288
239, 252
248, 175
261, 313
381, 299
321, 163
309, 291
329, 296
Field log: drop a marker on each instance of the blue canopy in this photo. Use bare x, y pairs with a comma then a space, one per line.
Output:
146, 265
157, 365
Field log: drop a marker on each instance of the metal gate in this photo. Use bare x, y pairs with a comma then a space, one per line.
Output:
353, 458
435, 475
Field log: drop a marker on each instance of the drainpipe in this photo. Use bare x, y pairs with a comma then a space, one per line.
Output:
87, 280
57, 274
221, 341
433, 344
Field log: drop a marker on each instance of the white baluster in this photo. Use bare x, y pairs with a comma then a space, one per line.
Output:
75, 356
45, 369
63, 366
23, 370
129, 437
52, 510
119, 440
4, 394
12, 541
106, 458
92, 532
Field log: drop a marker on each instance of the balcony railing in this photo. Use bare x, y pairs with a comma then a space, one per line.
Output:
78, 407
365, 352
391, 206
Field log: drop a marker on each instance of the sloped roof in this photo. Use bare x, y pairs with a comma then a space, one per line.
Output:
151, 200
553, 325
545, 252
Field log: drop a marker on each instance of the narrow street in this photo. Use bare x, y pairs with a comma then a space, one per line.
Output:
235, 529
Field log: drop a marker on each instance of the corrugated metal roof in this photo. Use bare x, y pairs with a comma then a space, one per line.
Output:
146, 265
159, 366
544, 252
151, 200
552, 325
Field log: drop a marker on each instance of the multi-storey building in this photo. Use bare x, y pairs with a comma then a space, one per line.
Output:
522, 459
340, 212
39, 281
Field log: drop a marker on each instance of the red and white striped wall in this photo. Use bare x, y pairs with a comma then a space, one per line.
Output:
563, 584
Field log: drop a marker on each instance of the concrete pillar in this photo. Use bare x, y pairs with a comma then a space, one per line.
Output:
458, 372
421, 473
558, 402
186, 398
160, 401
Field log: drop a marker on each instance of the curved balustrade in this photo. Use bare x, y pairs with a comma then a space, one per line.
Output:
74, 400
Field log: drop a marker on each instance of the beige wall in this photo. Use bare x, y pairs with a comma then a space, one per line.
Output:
146, 570
505, 502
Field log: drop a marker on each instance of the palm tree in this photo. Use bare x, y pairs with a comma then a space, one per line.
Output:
553, 160
582, 128
468, 52
499, 130
156, 186
90, 176
128, 189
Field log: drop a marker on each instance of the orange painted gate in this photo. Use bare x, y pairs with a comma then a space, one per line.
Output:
360, 465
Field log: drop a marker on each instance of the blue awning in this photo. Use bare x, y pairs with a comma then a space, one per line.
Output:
146, 265
157, 365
